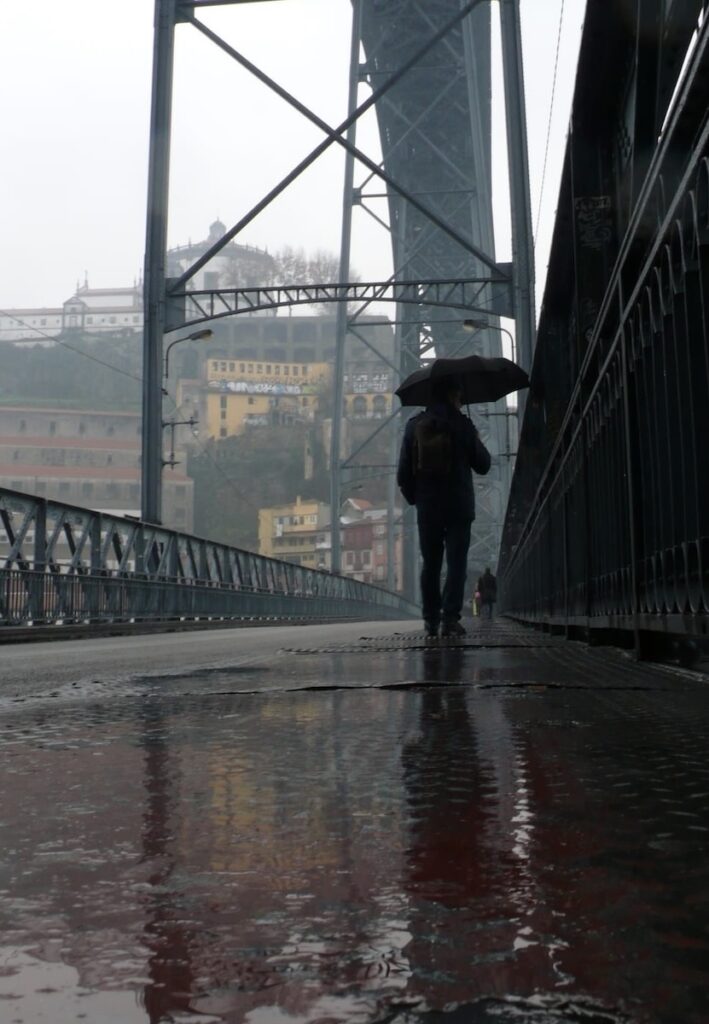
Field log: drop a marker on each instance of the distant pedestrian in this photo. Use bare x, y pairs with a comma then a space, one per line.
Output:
487, 588
440, 448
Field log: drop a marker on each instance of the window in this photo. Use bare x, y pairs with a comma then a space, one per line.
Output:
112, 490
295, 371
222, 414
133, 491
15, 456
259, 367
82, 428
304, 401
242, 367
232, 367
43, 322
222, 367
64, 487
87, 489
379, 405
359, 406
278, 371
286, 370
214, 364
222, 431
89, 319
109, 460
23, 426
52, 427
305, 371
350, 558
16, 485
112, 319
250, 368
251, 400
268, 367
222, 402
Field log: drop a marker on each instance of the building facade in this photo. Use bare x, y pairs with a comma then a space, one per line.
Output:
297, 532
300, 533
236, 394
87, 458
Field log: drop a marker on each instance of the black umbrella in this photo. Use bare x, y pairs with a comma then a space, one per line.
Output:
482, 379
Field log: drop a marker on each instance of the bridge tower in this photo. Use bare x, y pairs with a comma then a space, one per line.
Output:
436, 138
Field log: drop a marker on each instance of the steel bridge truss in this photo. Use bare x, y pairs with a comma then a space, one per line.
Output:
428, 69
469, 296
65, 564
608, 522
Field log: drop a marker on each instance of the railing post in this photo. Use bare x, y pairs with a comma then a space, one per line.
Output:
39, 562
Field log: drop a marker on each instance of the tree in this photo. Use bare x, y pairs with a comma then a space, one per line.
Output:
235, 477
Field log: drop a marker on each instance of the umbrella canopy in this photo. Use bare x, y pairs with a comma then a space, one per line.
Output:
482, 379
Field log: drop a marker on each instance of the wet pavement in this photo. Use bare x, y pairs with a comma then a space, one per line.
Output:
338, 829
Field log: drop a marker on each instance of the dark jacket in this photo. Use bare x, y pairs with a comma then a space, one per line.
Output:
487, 588
447, 498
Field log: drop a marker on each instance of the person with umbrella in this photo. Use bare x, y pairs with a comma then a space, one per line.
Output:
440, 451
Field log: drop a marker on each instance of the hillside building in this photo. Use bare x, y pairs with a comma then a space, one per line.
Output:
86, 458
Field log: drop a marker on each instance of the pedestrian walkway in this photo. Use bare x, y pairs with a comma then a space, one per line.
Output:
358, 825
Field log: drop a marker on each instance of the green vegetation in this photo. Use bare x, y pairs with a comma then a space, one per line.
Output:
235, 477
63, 377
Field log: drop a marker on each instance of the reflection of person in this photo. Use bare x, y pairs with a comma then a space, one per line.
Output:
442, 774
440, 448
487, 588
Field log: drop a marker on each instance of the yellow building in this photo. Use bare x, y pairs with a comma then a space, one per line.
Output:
369, 391
297, 532
239, 393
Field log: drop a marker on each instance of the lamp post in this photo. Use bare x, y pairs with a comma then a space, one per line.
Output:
205, 334
153, 439
481, 325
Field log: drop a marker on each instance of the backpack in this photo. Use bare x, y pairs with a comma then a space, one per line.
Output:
433, 446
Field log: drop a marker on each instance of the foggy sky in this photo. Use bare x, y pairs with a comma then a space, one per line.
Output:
75, 104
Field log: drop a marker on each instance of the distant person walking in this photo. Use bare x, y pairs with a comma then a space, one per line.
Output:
487, 588
440, 448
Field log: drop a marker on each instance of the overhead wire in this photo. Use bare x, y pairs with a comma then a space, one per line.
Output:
549, 121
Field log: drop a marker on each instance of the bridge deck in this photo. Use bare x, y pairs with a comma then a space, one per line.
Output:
340, 823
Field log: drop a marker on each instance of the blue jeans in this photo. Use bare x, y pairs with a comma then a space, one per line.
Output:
434, 539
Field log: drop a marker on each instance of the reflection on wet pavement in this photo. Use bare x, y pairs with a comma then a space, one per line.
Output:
506, 835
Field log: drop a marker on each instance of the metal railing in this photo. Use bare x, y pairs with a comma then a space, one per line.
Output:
608, 521
66, 564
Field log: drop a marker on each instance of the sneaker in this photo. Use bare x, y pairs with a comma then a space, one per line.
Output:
453, 628
431, 630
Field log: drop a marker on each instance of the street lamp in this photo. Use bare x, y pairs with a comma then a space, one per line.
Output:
481, 325
205, 333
